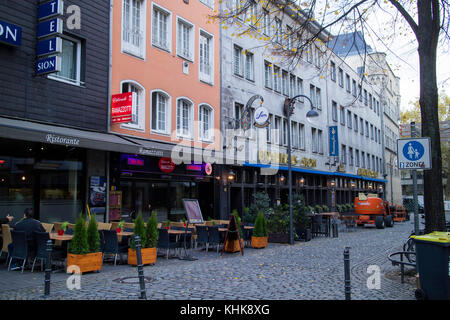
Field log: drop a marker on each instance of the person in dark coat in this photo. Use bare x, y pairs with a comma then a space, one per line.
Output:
29, 225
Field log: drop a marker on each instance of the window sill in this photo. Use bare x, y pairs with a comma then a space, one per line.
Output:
76, 83
134, 55
185, 58
132, 127
161, 48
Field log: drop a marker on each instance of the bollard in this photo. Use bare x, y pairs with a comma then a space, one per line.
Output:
140, 268
347, 273
48, 268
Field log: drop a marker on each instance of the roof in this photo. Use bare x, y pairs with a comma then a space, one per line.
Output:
349, 44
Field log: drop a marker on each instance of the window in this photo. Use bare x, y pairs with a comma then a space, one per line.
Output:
318, 99
278, 30
334, 113
70, 62
347, 83
354, 88
133, 27
289, 37
349, 119
269, 128
355, 123
294, 134
301, 136
250, 14
249, 66
320, 141
357, 157
284, 83
276, 76
312, 95
209, 3
161, 28
160, 112
185, 41
292, 87
368, 161
138, 115
365, 97
341, 77
206, 65
300, 89
363, 160
373, 163
314, 140
360, 93
361, 126
342, 116
185, 121
333, 71
285, 135
371, 132
206, 123
277, 130
268, 74
237, 58
370, 101
238, 110
350, 156
344, 154
367, 129
376, 134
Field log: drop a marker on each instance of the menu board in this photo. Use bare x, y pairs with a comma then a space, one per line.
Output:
193, 212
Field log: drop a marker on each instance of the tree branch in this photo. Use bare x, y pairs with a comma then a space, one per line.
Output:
406, 15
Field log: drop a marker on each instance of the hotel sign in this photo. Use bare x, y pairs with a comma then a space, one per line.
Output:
282, 158
10, 34
50, 9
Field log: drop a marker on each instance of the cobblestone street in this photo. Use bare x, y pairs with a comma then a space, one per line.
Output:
306, 271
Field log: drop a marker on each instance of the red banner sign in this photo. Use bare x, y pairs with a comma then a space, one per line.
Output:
122, 107
166, 165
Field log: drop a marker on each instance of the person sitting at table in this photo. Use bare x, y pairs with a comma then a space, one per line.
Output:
6, 220
29, 225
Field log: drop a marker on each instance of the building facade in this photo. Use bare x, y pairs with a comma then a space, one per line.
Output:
167, 54
256, 158
53, 122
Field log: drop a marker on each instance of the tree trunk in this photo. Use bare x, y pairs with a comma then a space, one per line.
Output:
427, 37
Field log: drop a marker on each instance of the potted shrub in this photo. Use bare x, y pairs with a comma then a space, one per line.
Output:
325, 208
261, 202
149, 240
232, 243
302, 223
260, 236
318, 208
278, 224
84, 249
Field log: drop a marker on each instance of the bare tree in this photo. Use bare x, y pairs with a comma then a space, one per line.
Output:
427, 20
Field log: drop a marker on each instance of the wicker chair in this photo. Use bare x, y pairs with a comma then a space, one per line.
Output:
47, 226
104, 226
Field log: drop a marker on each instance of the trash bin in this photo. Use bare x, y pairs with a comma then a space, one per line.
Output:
433, 265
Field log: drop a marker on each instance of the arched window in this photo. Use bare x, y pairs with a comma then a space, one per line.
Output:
185, 123
138, 118
160, 112
206, 123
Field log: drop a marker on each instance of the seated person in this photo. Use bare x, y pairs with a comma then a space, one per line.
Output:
6, 220
29, 225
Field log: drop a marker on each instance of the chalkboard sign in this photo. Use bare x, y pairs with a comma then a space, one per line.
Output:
193, 212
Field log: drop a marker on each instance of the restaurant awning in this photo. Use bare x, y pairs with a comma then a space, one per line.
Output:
64, 136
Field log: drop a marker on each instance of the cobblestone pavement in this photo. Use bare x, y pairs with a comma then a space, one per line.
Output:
306, 271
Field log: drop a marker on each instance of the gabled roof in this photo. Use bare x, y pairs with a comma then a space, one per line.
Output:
349, 44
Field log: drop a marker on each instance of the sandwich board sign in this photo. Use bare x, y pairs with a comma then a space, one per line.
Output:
414, 153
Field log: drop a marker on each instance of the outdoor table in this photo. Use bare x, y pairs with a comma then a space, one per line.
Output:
64, 237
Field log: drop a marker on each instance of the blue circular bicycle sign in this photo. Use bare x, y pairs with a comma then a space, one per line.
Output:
413, 151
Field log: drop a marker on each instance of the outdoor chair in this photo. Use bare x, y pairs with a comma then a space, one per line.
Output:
20, 249
6, 234
202, 236
104, 226
111, 245
165, 241
47, 226
214, 237
41, 250
319, 227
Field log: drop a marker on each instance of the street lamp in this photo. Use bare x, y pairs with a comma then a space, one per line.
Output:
289, 110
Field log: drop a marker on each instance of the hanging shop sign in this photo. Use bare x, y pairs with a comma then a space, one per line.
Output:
50, 9
48, 65
122, 106
50, 28
208, 168
49, 46
334, 141
10, 34
261, 117
166, 165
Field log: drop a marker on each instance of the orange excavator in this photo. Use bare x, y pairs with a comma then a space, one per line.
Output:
372, 210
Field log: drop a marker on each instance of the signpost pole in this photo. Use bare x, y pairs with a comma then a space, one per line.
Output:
414, 176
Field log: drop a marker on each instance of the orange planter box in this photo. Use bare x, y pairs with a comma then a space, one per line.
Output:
148, 256
233, 246
86, 262
259, 242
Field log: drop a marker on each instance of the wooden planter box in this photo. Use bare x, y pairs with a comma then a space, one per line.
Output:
86, 262
279, 237
148, 256
233, 246
259, 242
